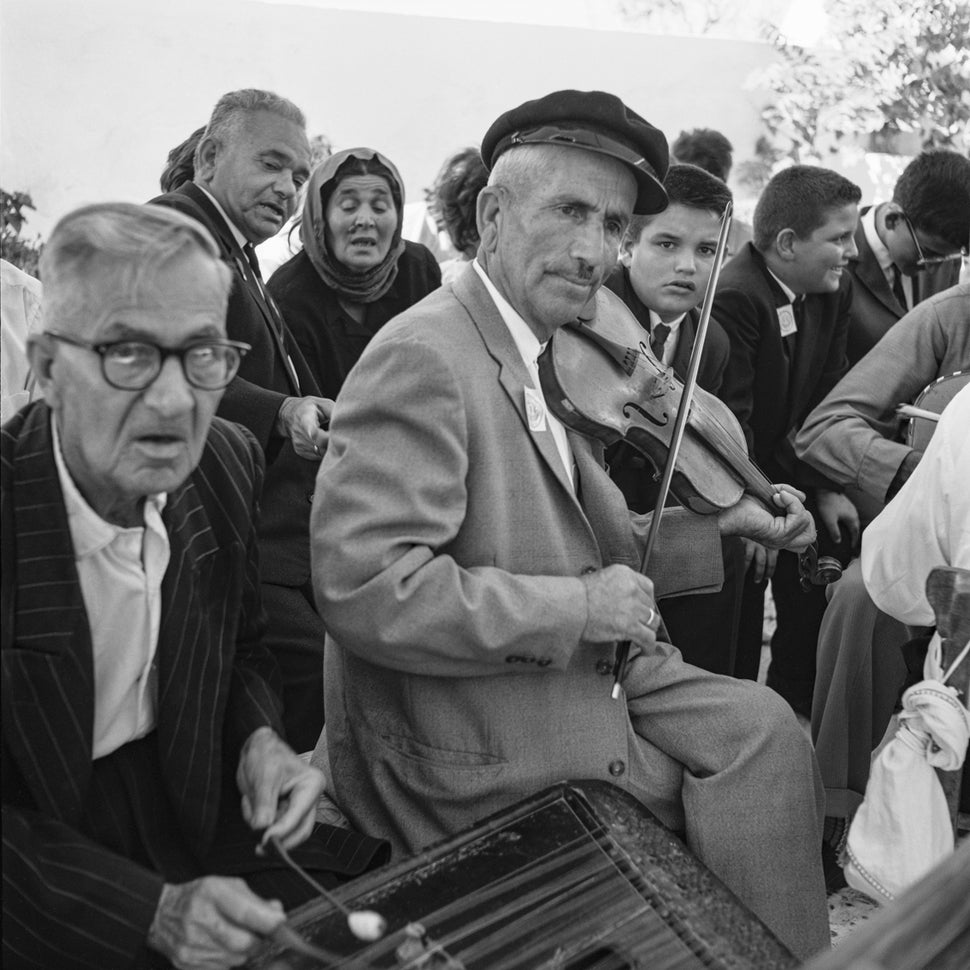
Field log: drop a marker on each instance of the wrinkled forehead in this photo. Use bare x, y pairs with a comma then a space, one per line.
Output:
268, 132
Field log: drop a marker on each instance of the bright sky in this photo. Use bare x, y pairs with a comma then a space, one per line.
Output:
803, 23
569, 13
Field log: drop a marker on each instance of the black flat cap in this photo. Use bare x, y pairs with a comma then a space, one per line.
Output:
594, 121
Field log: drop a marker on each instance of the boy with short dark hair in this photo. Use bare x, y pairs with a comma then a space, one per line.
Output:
784, 301
909, 248
666, 262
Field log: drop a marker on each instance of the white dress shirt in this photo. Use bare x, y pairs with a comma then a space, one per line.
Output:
120, 571
530, 348
883, 258
673, 338
926, 524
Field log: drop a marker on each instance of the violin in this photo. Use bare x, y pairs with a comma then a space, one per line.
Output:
600, 379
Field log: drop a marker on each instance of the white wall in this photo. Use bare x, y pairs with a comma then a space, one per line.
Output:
95, 92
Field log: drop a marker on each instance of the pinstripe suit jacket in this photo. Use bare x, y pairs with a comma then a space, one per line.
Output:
214, 689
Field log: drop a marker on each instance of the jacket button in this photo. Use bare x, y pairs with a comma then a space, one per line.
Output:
604, 667
617, 768
309, 497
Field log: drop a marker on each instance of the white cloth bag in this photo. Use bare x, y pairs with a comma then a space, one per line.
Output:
903, 828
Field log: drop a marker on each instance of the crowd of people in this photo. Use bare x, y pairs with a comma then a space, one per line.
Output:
323, 545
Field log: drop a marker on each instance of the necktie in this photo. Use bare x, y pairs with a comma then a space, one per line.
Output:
250, 250
898, 290
658, 337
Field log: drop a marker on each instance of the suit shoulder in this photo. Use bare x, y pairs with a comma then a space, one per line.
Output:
231, 455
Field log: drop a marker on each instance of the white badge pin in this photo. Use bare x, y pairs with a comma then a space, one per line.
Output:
786, 320
535, 409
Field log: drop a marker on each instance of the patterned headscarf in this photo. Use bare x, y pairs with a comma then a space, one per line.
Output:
356, 286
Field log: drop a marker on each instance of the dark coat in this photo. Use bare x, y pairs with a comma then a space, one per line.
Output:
769, 397
214, 690
254, 398
874, 308
330, 339
631, 471
717, 348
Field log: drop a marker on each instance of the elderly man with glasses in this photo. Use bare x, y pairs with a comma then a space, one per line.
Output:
142, 750
909, 248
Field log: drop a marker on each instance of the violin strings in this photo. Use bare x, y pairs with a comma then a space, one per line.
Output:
728, 447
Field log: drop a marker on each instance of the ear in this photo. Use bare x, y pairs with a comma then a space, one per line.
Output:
491, 201
785, 244
626, 250
207, 153
40, 355
892, 215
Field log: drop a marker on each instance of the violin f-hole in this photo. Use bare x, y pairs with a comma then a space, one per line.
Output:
633, 406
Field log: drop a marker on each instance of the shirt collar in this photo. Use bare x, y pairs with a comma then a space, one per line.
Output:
236, 234
526, 341
673, 325
878, 247
793, 297
89, 532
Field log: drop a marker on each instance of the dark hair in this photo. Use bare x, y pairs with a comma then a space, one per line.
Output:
706, 148
363, 166
800, 198
454, 194
934, 191
180, 164
690, 186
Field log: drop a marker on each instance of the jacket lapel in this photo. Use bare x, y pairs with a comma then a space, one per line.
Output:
191, 705
48, 671
869, 273
513, 376
237, 257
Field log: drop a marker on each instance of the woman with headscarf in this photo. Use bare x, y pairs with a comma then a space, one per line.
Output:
355, 271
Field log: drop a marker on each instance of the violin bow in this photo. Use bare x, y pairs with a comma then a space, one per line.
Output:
680, 426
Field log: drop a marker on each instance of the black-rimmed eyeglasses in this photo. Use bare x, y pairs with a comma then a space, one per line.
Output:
132, 365
922, 261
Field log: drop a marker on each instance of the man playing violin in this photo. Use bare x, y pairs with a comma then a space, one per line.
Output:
475, 566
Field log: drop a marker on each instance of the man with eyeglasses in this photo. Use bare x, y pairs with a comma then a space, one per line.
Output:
909, 248
250, 165
143, 757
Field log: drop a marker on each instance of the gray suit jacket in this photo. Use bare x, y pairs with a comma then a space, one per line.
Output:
447, 549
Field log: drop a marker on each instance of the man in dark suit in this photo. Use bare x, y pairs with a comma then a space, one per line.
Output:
909, 248
249, 167
784, 302
666, 261
135, 684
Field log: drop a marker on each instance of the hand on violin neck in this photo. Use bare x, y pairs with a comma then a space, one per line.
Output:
620, 606
791, 527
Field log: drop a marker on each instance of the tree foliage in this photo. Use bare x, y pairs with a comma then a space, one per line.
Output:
893, 67
15, 248
881, 69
